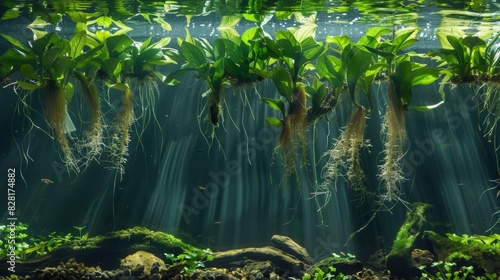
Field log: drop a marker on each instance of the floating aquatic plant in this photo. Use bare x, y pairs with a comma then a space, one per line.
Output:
403, 74
294, 59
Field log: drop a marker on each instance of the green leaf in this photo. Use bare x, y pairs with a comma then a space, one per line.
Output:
276, 104
118, 43
356, 68
172, 78
77, 42
77, 16
28, 86
16, 43
104, 21
217, 77
288, 44
472, 42
403, 81
424, 76
219, 49
16, 57
283, 82
193, 54
165, 25
272, 48
404, 38
112, 67
341, 41
69, 90
274, 121
29, 72
389, 56
458, 48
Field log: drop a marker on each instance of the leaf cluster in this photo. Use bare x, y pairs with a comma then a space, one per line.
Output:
191, 260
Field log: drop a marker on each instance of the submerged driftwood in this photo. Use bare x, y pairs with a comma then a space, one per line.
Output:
228, 259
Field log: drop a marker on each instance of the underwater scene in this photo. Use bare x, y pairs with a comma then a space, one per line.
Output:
250, 139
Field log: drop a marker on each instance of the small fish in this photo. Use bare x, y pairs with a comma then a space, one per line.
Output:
202, 188
498, 193
47, 181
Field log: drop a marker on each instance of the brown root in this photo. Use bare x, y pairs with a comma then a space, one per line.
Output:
394, 131
55, 110
293, 134
120, 136
92, 142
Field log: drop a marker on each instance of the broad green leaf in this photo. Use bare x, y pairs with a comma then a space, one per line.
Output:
307, 29
29, 72
172, 78
28, 86
50, 56
120, 86
426, 108
376, 32
165, 25
458, 48
273, 48
341, 41
16, 57
389, 56
404, 38
145, 43
274, 121
77, 42
112, 67
77, 16
472, 42
193, 54
161, 43
122, 28
282, 15
219, 49
251, 34
218, 76
253, 17
118, 44
104, 21
229, 21
403, 81
356, 68
283, 82
288, 44
69, 90
276, 104
16, 43
424, 76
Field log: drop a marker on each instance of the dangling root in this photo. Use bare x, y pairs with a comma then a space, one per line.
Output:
393, 128
214, 109
55, 110
120, 136
91, 145
491, 103
345, 153
293, 134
